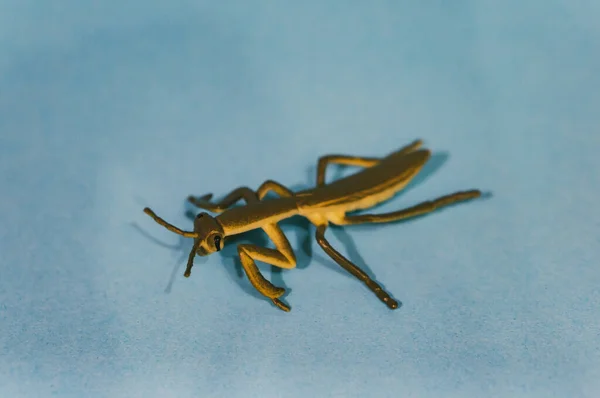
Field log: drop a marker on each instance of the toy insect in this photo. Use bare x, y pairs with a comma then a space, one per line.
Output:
379, 180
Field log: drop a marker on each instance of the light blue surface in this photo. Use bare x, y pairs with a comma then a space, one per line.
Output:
108, 108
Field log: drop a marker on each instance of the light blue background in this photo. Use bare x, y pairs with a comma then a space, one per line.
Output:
109, 107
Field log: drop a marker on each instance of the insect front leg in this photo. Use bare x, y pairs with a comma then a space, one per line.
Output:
282, 256
229, 200
234, 196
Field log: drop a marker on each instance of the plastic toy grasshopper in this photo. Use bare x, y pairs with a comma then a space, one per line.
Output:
379, 181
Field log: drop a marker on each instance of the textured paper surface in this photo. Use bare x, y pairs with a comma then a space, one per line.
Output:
108, 108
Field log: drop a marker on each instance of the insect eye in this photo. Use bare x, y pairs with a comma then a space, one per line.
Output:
218, 242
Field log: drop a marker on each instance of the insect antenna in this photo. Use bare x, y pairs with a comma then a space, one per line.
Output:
168, 226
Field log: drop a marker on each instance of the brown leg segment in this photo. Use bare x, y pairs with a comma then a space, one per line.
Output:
346, 160
417, 210
354, 269
229, 200
234, 196
324, 161
274, 186
283, 256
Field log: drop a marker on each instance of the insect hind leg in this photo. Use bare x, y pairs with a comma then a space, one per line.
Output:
413, 211
359, 161
345, 160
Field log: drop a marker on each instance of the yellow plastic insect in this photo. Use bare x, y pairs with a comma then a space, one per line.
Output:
379, 181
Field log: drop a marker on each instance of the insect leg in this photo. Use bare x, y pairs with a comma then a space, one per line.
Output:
274, 186
345, 160
245, 193
417, 210
354, 269
283, 256
229, 200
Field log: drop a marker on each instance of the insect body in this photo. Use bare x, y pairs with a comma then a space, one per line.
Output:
379, 180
